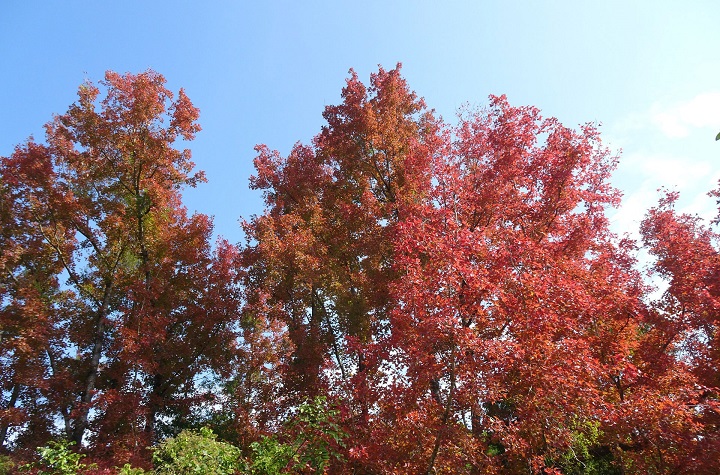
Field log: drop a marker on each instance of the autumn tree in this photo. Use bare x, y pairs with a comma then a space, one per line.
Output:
518, 310
684, 327
320, 260
459, 289
28, 309
115, 294
454, 293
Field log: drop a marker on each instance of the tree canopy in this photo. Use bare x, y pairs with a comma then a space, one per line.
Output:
452, 292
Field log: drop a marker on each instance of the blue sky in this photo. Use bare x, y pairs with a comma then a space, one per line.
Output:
262, 71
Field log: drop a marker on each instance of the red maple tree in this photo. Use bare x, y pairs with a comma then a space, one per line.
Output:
459, 289
454, 290
113, 300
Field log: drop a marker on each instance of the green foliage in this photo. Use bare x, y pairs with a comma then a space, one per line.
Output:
6, 465
58, 459
127, 469
587, 456
315, 444
319, 434
271, 457
494, 449
195, 453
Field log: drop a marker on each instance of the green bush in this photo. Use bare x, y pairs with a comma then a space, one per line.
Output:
271, 457
127, 469
57, 459
195, 453
315, 443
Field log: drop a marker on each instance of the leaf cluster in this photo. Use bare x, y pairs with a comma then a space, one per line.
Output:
57, 458
195, 453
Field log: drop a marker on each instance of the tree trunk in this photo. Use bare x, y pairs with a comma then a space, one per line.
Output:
6, 425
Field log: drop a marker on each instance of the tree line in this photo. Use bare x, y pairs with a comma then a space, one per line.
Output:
454, 291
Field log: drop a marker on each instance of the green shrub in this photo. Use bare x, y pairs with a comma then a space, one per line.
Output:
57, 459
195, 453
127, 469
271, 457
315, 443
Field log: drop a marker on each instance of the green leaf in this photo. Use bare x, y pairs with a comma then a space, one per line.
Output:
717, 137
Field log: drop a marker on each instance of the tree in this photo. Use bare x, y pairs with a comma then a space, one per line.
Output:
685, 326
516, 306
28, 286
460, 289
132, 301
320, 259
455, 291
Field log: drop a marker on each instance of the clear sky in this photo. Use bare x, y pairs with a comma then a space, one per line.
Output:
262, 71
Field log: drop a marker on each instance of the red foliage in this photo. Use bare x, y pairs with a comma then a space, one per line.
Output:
685, 335
459, 288
113, 299
456, 289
